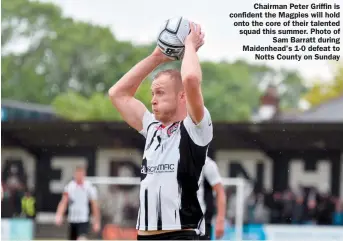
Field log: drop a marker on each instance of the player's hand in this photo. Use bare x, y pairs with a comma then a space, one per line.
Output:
59, 220
220, 223
96, 227
195, 38
162, 57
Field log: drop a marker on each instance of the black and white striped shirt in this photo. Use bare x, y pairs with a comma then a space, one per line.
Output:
79, 196
173, 159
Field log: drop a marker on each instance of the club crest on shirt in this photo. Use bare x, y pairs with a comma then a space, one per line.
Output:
173, 128
160, 127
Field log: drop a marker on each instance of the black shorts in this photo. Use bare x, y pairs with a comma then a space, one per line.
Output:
78, 229
177, 235
208, 232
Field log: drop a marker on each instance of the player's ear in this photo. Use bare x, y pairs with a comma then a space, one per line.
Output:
182, 95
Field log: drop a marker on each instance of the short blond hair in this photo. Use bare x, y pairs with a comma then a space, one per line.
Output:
174, 74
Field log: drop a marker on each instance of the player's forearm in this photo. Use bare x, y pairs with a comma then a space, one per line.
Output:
61, 209
129, 83
190, 68
96, 213
191, 80
221, 204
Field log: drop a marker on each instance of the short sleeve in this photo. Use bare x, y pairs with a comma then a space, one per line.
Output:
211, 172
93, 193
148, 119
201, 133
66, 188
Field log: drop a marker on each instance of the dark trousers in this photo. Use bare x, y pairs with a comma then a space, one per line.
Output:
78, 229
177, 235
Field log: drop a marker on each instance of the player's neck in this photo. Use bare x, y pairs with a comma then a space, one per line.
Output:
79, 182
176, 118
181, 114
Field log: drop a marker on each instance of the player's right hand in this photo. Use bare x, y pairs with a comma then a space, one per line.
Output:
58, 220
162, 57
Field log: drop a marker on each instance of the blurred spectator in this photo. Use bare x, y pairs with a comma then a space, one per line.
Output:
13, 177
304, 206
338, 214
287, 204
325, 209
28, 205
311, 209
250, 215
261, 213
13, 180
276, 208
298, 209
16, 196
6, 203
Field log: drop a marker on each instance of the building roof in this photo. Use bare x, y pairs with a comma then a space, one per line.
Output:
330, 111
27, 106
264, 136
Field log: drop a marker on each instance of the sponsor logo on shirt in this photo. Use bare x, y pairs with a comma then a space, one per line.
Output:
161, 168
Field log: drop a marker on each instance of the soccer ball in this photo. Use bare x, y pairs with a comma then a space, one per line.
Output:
171, 37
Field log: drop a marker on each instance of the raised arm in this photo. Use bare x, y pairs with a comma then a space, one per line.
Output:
192, 75
198, 121
122, 93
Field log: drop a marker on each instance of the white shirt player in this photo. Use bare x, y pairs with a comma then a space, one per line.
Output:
79, 196
210, 172
170, 174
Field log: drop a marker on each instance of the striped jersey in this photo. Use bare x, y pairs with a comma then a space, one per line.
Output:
172, 163
210, 178
79, 196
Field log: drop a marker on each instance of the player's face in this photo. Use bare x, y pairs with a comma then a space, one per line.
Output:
79, 174
165, 98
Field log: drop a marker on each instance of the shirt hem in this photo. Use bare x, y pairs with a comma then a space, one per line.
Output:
78, 221
155, 228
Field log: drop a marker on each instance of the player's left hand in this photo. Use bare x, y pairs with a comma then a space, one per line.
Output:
195, 38
96, 227
220, 223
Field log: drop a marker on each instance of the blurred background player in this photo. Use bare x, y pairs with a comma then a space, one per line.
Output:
77, 195
211, 183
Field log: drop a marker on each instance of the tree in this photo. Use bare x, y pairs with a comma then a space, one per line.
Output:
324, 91
73, 106
229, 91
61, 54
25, 23
80, 108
